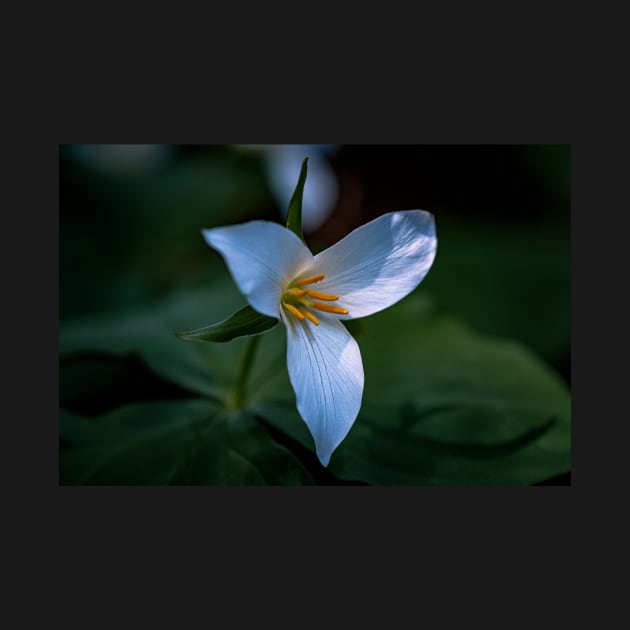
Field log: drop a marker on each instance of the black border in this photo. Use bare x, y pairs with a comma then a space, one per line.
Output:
425, 100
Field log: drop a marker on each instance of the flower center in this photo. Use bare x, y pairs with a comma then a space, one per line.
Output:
297, 300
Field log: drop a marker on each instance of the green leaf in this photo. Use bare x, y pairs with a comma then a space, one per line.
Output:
148, 332
445, 406
294, 213
442, 404
210, 369
244, 322
518, 281
183, 442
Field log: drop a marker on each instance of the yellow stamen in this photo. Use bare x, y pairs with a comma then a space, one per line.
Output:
293, 310
329, 308
310, 316
321, 296
312, 279
297, 292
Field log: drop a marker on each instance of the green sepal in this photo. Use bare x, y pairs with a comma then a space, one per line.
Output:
294, 213
244, 322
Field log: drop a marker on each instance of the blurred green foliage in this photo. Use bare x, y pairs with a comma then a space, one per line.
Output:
467, 379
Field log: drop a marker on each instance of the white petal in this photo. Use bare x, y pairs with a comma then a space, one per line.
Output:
380, 262
326, 372
263, 257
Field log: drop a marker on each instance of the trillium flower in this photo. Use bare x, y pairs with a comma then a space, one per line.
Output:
370, 269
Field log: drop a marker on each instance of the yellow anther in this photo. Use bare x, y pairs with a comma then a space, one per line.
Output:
329, 308
297, 292
312, 279
310, 316
321, 296
299, 301
293, 310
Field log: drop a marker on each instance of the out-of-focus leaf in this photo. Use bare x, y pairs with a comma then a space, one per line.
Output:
185, 442
149, 333
245, 322
443, 405
506, 280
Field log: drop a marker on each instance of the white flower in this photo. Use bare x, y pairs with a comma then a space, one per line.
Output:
372, 268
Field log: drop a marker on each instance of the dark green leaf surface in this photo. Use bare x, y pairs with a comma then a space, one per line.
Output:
185, 442
149, 333
443, 405
244, 322
512, 281
294, 213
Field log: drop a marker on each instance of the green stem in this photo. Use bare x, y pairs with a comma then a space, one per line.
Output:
246, 368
